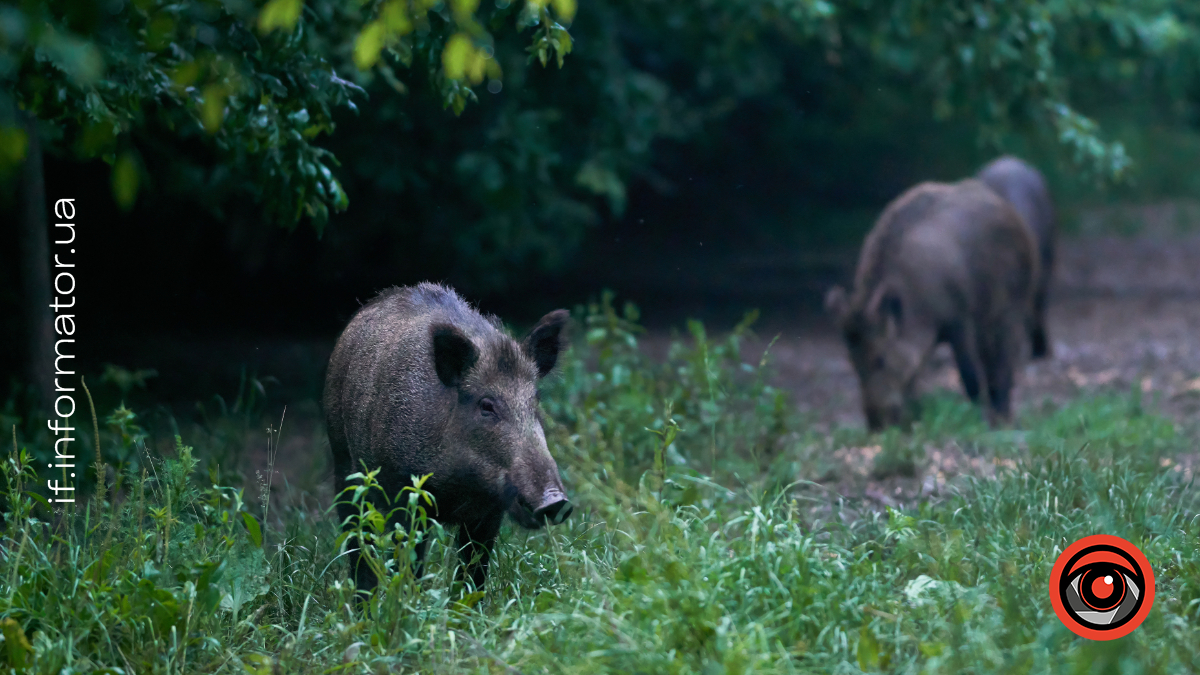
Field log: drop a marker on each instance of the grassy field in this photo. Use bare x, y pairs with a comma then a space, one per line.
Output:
706, 539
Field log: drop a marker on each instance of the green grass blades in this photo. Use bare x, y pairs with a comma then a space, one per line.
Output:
700, 544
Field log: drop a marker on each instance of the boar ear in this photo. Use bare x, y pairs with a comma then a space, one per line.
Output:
886, 304
545, 341
889, 308
453, 353
835, 301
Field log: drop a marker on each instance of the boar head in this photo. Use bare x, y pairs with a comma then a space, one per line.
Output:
493, 440
884, 357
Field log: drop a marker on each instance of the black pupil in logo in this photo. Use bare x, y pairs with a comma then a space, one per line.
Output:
1102, 595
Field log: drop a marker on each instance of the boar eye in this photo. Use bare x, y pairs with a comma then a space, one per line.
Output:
487, 407
878, 362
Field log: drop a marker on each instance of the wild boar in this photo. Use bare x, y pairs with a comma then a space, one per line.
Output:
421, 383
1025, 188
944, 263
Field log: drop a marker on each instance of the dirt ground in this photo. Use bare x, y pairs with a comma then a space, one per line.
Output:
1125, 312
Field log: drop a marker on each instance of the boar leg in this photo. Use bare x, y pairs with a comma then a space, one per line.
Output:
475, 548
1040, 343
961, 336
999, 361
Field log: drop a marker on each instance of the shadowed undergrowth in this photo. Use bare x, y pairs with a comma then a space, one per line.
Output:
700, 544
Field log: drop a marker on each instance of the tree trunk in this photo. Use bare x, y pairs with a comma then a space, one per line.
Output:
34, 240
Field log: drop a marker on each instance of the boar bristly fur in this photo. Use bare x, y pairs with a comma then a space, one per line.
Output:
421, 383
944, 263
1025, 188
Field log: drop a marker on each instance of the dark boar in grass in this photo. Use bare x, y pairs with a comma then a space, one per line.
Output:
1025, 188
421, 383
944, 263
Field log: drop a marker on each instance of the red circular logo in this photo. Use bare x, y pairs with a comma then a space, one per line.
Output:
1102, 587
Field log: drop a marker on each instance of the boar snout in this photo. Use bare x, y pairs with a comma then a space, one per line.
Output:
880, 418
899, 413
555, 507
534, 511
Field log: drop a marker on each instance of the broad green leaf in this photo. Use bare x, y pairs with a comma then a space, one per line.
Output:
253, 529
565, 9
464, 9
17, 650
477, 67
562, 42
39, 499
14, 143
375, 520
868, 649
395, 19
279, 14
468, 601
544, 601
601, 180
185, 74
368, 45
258, 664
456, 56
212, 110
340, 200
125, 181
81, 60
160, 32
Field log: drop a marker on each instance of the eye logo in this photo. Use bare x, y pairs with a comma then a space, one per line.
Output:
1102, 587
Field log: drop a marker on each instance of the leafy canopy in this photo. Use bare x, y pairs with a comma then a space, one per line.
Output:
259, 85
256, 83
656, 91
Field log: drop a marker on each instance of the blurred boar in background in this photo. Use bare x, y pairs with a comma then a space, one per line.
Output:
421, 383
944, 263
1025, 188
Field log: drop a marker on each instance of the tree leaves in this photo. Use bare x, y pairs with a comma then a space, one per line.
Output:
551, 40
235, 75
212, 107
13, 146
368, 45
464, 10
565, 9
80, 60
280, 14
601, 180
125, 181
461, 59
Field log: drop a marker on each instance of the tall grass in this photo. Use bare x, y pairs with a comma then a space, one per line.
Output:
700, 545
